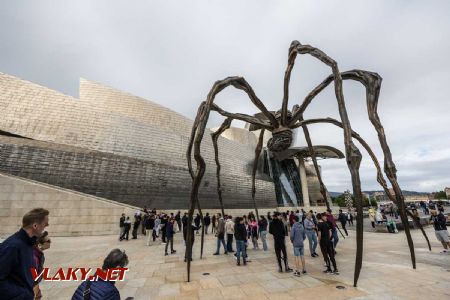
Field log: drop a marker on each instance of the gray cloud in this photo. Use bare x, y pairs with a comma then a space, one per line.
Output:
171, 52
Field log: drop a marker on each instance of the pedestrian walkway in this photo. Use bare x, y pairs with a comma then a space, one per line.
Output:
386, 273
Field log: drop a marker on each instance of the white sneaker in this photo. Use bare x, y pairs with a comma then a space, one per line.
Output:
444, 251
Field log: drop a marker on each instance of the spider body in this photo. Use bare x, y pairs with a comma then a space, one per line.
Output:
282, 123
281, 140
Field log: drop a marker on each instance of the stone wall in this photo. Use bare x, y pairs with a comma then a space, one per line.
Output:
71, 213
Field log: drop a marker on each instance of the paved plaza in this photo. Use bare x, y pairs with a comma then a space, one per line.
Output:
386, 273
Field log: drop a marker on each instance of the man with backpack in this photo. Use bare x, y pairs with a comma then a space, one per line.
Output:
440, 228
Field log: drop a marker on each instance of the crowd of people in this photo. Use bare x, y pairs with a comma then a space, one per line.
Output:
236, 235
25, 249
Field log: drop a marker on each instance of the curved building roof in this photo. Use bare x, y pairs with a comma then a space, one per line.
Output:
239, 135
321, 151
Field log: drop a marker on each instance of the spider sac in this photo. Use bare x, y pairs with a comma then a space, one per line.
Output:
282, 136
281, 140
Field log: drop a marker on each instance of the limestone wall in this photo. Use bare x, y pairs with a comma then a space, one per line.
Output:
71, 213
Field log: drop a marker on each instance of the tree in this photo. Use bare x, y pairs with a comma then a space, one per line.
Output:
440, 195
340, 201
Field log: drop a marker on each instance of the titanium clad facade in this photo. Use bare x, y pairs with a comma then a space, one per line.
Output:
118, 146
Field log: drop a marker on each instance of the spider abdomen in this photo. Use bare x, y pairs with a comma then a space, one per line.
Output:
280, 141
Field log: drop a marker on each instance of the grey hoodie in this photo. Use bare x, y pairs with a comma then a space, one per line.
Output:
298, 235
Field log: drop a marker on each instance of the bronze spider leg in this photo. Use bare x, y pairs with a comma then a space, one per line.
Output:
242, 117
203, 229
197, 133
215, 136
284, 121
191, 138
359, 76
372, 83
194, 128
380, 177
255, 167
323, 189
352, 153
237, 116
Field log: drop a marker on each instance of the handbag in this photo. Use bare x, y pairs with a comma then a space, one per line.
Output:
87, 291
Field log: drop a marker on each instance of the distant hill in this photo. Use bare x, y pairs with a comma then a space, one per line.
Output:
370, 193
335, 194
405, 193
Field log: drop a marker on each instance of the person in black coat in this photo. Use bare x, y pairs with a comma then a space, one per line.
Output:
325, 228
100, 289
143, 219
16, 257
126, 231
184, 221
207, 220
343, 219
240, 235
164, 221
137, 222
197, 221
213, 223
278, 230
149, 224
178, 220
169, 236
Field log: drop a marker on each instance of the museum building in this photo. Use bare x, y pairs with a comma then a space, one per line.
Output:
119, 147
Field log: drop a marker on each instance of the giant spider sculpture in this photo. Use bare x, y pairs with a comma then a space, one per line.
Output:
281, 124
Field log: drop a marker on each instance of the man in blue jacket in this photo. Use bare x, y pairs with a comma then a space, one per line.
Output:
297, 236
16, 257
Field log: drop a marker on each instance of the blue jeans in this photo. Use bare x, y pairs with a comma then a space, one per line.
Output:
263, 235
312, 238
218, 245
240, 249
335, 237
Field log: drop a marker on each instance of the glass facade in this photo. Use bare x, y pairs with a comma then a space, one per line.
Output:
286, 178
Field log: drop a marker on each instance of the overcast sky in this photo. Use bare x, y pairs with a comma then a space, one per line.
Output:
171, 52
